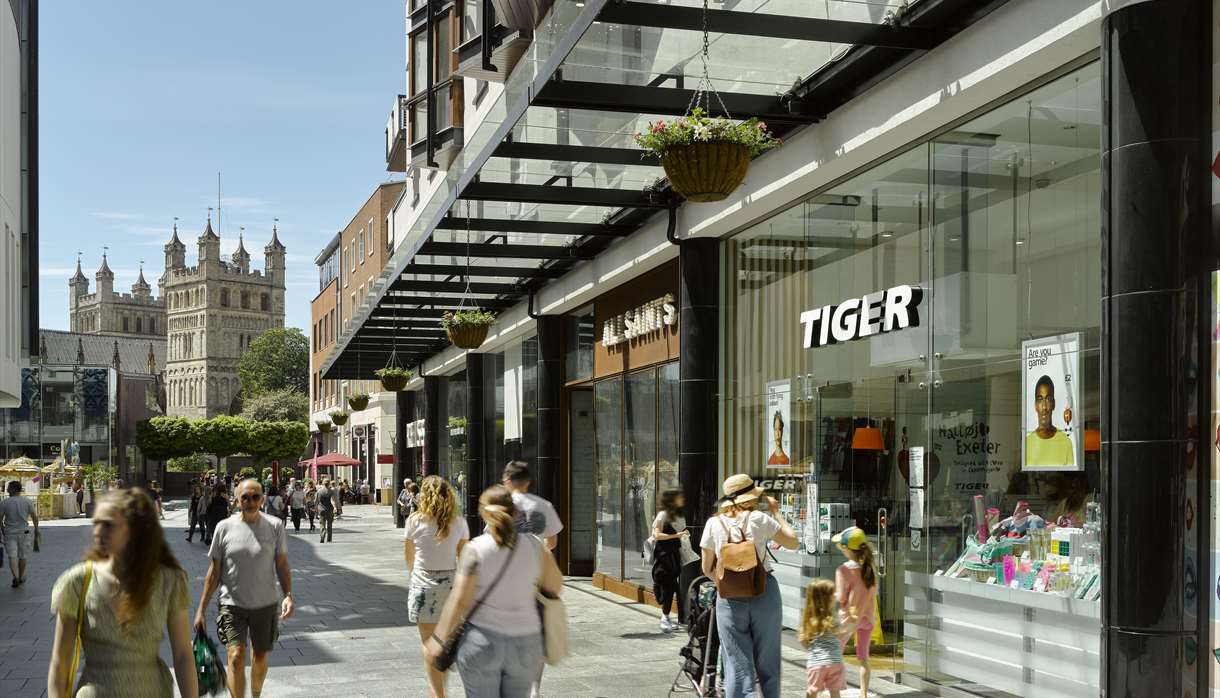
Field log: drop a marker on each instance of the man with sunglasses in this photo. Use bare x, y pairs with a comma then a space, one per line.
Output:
249, 554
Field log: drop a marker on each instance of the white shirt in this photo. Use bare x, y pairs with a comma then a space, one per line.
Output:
755, 525
510, 608
536, 515
678, 522
296, 498
432, 554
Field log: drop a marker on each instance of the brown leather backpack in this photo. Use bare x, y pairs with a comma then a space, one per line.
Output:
739, 572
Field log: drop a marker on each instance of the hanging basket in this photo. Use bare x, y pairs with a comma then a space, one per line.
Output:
467, 335
358, 402
338, 418
324, 425
392, 379
706, 171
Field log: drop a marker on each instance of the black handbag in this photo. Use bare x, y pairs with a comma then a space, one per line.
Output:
449, 648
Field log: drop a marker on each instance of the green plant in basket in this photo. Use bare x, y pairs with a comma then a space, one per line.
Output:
474, 316
698, 127
393, 378
339, 417
358, 401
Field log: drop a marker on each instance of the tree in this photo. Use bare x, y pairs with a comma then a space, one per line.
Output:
188, 464
221, 436
277, 360
160, 438
288, 405
277, 440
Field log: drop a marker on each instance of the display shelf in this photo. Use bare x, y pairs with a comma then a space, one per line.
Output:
1023, 642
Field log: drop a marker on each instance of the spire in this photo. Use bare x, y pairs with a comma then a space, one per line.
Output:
104, 270
79, 275
208, 233
80, 352
114, 359
275, 243
174, 241
141, 286
241, 241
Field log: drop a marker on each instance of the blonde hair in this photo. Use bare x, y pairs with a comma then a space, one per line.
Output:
438, 503
496, 508
817, 616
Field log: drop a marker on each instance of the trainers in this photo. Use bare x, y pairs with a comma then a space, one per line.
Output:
666, 626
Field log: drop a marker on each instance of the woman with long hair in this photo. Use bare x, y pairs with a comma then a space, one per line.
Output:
134, 592
669, 531
432, 540
750, 619
501, 654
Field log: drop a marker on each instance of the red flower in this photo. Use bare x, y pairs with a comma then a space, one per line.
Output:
658, 127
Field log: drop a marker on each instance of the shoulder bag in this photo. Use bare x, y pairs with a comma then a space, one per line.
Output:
554, 617
80, 623
449, 648
739, 572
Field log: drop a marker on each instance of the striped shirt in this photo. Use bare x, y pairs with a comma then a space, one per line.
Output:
824, 651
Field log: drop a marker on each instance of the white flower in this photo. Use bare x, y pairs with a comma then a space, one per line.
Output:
701, 132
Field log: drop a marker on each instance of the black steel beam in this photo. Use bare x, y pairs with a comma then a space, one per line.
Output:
500, 225
670, 101
573, 153
575, 196
388, 313
493, 271
452, 286
445, 301
497, 250
772, 26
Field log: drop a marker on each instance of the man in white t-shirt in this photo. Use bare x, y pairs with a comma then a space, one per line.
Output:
296, 502
15, 514
534, 514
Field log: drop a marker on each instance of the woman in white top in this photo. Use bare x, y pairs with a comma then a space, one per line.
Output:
501, 654
750, 628
669, 531
432, 539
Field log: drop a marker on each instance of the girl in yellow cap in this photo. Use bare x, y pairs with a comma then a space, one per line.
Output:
855, 586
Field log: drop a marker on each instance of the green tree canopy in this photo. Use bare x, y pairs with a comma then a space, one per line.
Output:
188, 464
277, 360
282, 441
287, 405
221, 436
160, 438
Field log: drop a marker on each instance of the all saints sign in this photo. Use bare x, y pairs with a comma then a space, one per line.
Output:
856, 318
653, 316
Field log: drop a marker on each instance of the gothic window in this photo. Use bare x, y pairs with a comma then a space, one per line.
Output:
245, 300
265, 302
152, 325
224, 297
125, 327
139, 325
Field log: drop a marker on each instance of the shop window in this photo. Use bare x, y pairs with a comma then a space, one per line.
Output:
580, 336
928, 428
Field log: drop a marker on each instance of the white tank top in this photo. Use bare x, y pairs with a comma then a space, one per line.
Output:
510, 609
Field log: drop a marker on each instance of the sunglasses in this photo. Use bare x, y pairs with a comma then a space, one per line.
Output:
251, 497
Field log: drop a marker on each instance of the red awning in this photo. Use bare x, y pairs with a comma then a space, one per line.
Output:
331, 459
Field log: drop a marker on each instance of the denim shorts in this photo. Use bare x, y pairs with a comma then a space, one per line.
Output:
429, 591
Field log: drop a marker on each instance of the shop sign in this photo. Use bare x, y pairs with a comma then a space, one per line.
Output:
780, 483
653, 316
891, 310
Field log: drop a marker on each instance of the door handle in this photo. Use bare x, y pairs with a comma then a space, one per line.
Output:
883, 540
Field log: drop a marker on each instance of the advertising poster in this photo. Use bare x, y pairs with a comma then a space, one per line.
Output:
779, 419
1050, 404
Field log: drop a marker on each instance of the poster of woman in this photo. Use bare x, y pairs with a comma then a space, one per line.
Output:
779, 414
1050, 404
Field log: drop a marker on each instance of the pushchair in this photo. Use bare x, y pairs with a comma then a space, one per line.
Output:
699, 672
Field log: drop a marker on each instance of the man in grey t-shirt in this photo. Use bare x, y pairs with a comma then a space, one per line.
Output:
18, 539
249, 554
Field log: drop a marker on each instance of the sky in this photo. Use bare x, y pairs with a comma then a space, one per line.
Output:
142, 102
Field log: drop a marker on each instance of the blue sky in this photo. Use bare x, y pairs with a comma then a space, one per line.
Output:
143, 102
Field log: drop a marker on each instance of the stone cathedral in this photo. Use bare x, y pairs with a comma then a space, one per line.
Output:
209, 313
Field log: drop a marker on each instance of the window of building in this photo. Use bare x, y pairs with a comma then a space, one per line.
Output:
139, 325
152, 325
245, 300
264, 302
360, 240
224, 297
372, 238
125, 328
351, 253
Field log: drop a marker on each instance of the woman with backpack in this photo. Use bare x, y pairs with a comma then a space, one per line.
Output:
498, 578
749, 611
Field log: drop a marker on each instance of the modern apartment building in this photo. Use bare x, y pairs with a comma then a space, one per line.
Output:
1030, 183
18, 194
348, 268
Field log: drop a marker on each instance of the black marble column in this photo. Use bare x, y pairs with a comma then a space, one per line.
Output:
698, 369
404, 408
476, 475
550, 389
1156, 63
434, 425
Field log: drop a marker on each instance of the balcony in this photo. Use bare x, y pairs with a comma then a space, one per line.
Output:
497, 59
396, 129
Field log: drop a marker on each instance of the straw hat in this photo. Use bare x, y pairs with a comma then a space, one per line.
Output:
740, 488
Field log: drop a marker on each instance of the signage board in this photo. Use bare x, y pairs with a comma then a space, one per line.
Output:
875, 313
1050, 404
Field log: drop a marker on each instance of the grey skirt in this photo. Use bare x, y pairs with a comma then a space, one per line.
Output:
429, 591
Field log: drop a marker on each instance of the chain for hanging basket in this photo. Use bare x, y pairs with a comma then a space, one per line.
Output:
705, 86
466, 335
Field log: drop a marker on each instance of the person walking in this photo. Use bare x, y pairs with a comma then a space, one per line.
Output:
339, 491
134, 593
16, 513
432, 540
193, 518
669, 531
534, 514
326, 511
151, 487
79, 488
217, 511
408, 499
296, 501
273, 503
364, 492
820, 632
201, 510
311, 503
856, 589
499, 575
249, 554
749, 611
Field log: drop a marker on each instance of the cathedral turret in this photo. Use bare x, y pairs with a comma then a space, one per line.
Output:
241, 258
140, 289
78, 286
105, 278
209, 244
175, 252
274, 257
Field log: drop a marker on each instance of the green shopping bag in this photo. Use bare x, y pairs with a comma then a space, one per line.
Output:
209, 666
